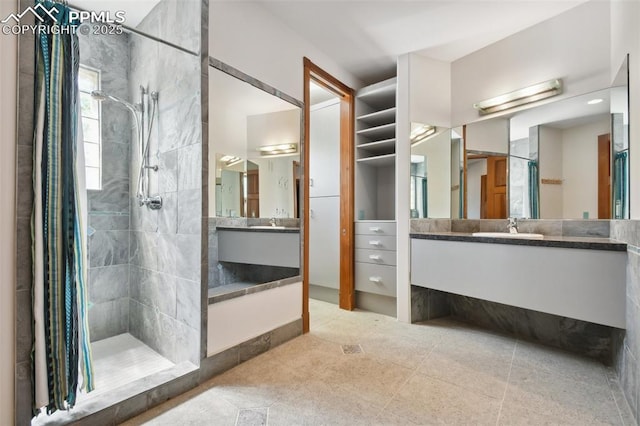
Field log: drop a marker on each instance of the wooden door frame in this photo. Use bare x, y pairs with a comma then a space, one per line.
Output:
314, 73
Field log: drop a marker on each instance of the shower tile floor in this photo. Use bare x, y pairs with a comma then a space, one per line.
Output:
123, 359
441, 371
117, 361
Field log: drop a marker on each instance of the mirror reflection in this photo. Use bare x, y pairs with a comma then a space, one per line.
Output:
562, 155
257, 136
486, 169
431, 174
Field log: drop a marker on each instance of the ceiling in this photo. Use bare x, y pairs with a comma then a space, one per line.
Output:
365, 37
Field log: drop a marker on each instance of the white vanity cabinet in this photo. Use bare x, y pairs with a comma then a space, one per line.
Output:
557, 277
375, 266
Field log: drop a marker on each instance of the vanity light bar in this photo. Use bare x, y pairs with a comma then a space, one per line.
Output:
230, 160
283, 148
520, 97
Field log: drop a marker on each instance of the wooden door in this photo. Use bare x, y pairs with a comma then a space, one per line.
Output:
604, 176
253, 194
496, 188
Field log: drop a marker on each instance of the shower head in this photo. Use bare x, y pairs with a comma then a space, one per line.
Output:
102, 96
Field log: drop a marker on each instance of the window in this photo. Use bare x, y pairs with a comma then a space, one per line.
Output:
89, 80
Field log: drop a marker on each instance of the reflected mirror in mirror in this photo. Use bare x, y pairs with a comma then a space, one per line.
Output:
263, 132
485, 174
562, 155
431, 174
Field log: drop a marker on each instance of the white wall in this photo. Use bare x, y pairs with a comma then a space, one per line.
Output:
580, 169
475, 169
273, 128
550, 157
430, 95
235, 321
276, 186
246, 36
625, 38
573, 46
437, 151
8, 85
488, 136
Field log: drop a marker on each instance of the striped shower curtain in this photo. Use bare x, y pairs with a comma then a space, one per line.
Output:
620, 185
61, 353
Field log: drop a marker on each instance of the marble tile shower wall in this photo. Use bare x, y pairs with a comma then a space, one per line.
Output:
165, 244
627, 361
109, 207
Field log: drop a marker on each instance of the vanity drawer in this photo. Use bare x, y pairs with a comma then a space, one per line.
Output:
375, 242
375, 228
376, 257
377, 279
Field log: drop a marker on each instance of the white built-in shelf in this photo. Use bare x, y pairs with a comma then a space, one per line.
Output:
377, 118
378, 160
386, 131
381, 95
380, 147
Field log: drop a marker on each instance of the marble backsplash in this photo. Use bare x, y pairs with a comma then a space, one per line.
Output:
550, 227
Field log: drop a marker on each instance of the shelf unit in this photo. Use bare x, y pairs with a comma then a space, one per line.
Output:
376, 151
375, 169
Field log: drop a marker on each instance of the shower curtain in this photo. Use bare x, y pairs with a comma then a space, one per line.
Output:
534, 192
620, 189
61, 353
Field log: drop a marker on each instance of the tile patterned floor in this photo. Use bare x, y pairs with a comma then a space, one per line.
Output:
440, 372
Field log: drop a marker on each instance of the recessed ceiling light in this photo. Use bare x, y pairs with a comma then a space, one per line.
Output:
594, 101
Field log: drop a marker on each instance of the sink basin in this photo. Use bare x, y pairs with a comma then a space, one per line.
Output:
509, 235
266, 227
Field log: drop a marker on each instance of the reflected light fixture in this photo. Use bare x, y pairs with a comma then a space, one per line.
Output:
520, 97
421, 132
230, 160
594, 101
283, 148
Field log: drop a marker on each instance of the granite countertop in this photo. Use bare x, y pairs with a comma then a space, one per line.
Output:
215, 297
548, 241
261, 229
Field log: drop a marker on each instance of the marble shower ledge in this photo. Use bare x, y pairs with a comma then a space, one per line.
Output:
250, 229
548, 241
217, 298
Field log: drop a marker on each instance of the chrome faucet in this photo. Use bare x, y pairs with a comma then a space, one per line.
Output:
272, 221
513, 225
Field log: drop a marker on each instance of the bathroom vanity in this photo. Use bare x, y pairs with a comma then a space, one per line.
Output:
580, 278
260, 245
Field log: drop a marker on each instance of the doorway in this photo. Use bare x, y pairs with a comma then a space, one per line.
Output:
604, 176
339, 106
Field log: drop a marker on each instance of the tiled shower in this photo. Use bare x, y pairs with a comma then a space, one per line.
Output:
144, 265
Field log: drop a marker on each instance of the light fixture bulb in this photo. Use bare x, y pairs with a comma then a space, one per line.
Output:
594, 101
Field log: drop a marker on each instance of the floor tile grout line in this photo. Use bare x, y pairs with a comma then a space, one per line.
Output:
504, 395
413, 374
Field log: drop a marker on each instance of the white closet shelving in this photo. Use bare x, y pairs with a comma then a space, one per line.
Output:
375, 252
376, 151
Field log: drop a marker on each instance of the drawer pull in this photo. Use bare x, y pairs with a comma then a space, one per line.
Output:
375, 229
374, 243
376, 280
374, 257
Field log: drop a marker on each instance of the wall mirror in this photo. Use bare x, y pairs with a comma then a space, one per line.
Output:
431, 174
255, 139
485, 171
569, 159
